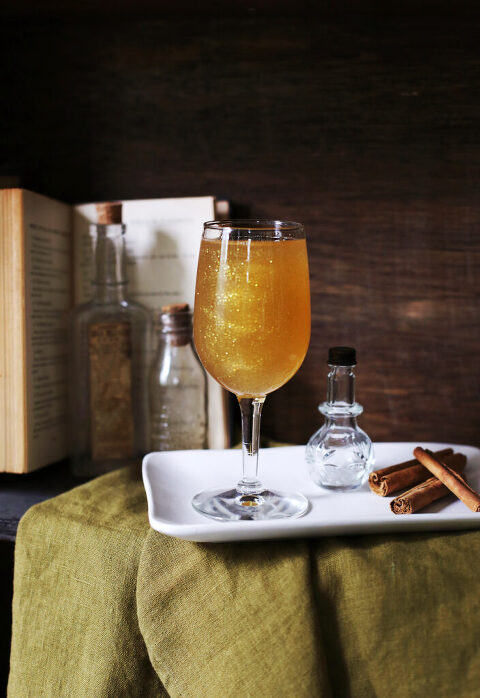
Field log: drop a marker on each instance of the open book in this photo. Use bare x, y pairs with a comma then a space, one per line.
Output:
45, 269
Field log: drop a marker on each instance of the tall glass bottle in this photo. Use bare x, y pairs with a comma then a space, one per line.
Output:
110, 337
178, 385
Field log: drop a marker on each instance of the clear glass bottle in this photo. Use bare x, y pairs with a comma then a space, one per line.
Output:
178, 385
340, 454
110, 338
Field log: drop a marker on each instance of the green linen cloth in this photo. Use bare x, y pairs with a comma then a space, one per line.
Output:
105, 607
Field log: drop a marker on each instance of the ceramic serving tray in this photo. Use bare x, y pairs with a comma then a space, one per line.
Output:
171, 478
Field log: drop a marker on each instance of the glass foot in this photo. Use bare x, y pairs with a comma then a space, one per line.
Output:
232, 505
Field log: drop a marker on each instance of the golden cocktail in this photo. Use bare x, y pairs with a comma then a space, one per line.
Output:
252, 323
252, 329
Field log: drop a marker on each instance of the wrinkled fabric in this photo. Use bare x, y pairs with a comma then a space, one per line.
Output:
104, 606
75, 629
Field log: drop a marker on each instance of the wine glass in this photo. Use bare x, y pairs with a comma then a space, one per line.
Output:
251, 330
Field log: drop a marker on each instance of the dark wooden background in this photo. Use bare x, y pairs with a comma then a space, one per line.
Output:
358, 120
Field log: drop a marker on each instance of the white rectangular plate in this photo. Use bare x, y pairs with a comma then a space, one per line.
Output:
172, 478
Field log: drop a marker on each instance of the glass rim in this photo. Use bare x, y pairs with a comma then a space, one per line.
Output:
245, 228
252, 224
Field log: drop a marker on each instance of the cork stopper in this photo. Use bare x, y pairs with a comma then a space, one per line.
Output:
109, 213
175, 321
175, 308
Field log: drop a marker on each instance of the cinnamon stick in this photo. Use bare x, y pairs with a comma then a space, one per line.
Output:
426, 492
397, 477
450, 478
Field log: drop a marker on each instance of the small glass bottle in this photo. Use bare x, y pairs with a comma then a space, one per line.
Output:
110, 337
178, 385
340, 454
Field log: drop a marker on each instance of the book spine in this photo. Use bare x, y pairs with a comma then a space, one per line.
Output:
3, 334
13, 393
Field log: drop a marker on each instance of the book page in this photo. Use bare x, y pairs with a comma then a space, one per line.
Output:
48, 298
162, 242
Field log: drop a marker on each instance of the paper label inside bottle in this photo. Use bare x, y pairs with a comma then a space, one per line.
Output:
111, 416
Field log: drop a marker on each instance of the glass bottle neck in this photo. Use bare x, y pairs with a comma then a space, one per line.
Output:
174, 340
341, 385
340, 403
110, 280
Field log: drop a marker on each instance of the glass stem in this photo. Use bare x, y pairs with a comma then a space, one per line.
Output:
251, 409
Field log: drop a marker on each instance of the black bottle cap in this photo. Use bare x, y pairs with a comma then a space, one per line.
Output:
342, 356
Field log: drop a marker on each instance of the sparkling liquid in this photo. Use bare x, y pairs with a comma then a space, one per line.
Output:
252, 312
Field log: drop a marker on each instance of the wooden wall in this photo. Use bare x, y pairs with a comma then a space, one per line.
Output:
364, 126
